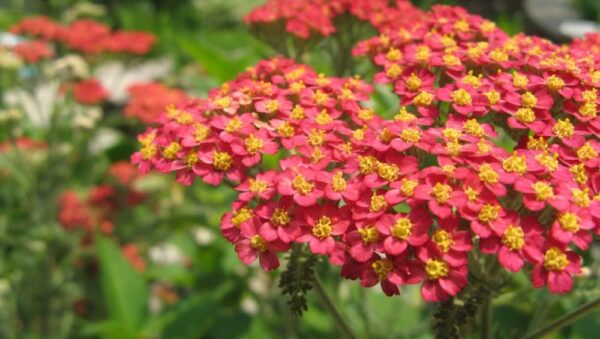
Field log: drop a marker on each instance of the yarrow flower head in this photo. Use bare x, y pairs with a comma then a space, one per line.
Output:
402, 201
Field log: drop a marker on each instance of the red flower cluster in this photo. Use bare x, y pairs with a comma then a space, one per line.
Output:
89, 92
310, 17
33, 51
148, 101
495, 145
102, 203
86, 36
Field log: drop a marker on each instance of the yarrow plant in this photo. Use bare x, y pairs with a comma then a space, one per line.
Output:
493, 153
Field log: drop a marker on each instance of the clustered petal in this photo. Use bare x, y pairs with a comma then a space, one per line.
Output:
400, 201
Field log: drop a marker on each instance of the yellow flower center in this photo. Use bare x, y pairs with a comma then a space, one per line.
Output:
280, 217
471, 193
297, 113
316, 137
413, 83
404, 116
393, 71
317, 155
423, 54
258, 243
579, 173
461, 97
393, 54
366, 114
323, 118
322, 228
191, 159
452, 134
488, 175
493, 97
498, 55
443, 239
222, 161
233, 125
423, 99
581, 197
271, 106
224, 102
241, 216
451, 60
377, 203
513, 238
301, 185
338, 182
569, 222
515, 164
359, 134
525, 115
286, 130
382, 267
257, 185
367, 164
520, 80
369, 234
588, 109
543, 191
483, 146
253, 144
320, 97
148, 151
170, 152
201, 132
441, 192
538, 144
436, 269
453, 148
402, 229
554, 83
488, 213
586, 152
555, 260
388, 172
472, 127
385, 135
563, 128
528, 100
408, 186
547, 160
472, 80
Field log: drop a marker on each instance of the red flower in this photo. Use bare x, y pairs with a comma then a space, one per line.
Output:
252, 245
89, 92
556, 268
320, 224
33, 51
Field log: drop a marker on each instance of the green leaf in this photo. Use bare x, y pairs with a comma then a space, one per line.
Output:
196, 316
124, 289
212, 61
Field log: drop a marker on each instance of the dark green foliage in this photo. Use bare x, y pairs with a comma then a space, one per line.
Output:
297, 280
454, 315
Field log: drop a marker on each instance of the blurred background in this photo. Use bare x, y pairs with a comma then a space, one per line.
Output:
159, 268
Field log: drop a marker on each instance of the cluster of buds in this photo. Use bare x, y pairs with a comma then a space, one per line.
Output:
85, 36
316, 17
495, 147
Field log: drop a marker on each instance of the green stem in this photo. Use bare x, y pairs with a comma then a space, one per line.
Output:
486, 319
330, 306
565, 320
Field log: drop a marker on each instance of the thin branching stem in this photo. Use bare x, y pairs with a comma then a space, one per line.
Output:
332, 309
565, 320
